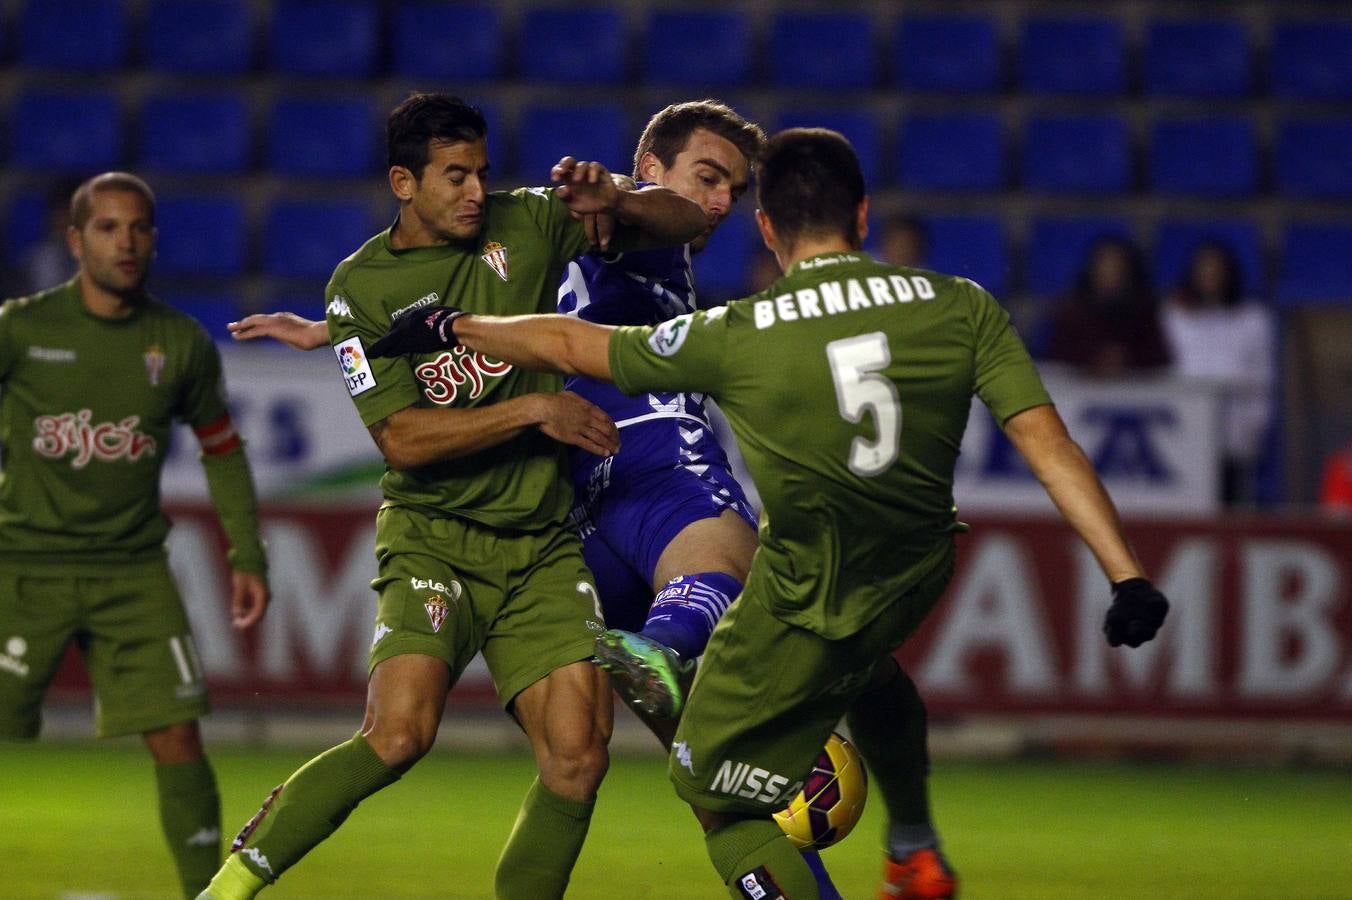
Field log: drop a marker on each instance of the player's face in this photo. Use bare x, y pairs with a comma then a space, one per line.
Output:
447, 202
116, 244
709, 170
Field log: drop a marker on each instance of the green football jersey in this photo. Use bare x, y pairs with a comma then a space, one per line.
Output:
848, 385
513, 267
86, 409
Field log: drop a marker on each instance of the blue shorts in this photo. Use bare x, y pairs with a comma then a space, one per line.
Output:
670, 472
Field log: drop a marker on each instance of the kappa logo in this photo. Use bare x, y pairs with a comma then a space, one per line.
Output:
204, 837
683, 756
668, 337
12, 659
495, 255
424, 300
338, 307
381, 630
50, 354
259, 859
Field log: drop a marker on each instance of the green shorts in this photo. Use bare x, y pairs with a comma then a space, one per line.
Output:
451, 588
768, 695
132, 631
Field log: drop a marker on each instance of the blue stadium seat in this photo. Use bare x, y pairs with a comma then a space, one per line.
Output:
587, 132
961, 152
322, 137
70, 132
423, 32
325, 37
1314, 157
307, 239
1176, 239
574, 45
860, 126
1214, 157
199, 36
1312, 59
1072, 56
25, 223
1316, 265
971, 246
1077, 154
200, 235
946, 53
1198, 58
723, 268
213, 311
195, 133
83, 35
696, 47
1057, 248
798, 41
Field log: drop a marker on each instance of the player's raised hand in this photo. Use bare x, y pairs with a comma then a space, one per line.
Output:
419, 331
586, 187
287, 327
1136, 613
570, 419
249, 597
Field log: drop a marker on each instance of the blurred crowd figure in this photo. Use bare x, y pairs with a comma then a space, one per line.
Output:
1217, 331
48, 261
1108, 325
904, 241
1335, 490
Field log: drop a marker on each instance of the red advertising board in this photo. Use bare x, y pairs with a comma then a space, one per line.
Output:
1260, 626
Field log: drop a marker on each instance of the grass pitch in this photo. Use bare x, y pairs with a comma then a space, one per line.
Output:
79, 819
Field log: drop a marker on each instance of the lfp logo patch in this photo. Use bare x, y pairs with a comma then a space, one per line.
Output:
356, 370
668, 337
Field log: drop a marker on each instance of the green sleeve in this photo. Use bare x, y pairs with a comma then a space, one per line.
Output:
203, 398
378, 387
7, 350
564, 233
1007, 381
681, 354
230, 484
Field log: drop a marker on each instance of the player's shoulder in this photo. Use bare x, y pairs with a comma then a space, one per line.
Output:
376, 249
31, 305
175, 320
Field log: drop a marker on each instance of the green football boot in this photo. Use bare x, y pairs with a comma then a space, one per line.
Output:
648, 675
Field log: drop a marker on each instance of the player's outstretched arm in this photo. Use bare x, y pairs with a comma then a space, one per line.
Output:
551, 343
287, 327
1040, 435
662, 217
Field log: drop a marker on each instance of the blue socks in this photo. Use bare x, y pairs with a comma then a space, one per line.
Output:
685, 611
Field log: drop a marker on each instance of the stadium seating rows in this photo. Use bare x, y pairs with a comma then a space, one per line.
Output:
1085, 134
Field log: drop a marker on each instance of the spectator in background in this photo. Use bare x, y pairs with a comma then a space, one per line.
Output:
1215, 332
1108, 325
48, 261
905, 241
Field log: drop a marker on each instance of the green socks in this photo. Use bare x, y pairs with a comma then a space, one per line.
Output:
190, 813
308, 808
756, 860
544, 844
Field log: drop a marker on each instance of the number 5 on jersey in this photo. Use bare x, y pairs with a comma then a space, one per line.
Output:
855, 362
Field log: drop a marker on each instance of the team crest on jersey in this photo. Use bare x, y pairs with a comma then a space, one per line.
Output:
154, 359
496, 256
436, 611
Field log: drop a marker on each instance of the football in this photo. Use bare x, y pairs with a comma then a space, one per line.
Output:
831, 801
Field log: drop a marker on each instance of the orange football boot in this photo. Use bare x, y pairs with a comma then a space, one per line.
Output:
924, 875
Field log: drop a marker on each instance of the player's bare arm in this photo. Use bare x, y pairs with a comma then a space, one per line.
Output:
287, 327
414, 436
249, 597
551, 342
1060, 465
662, 217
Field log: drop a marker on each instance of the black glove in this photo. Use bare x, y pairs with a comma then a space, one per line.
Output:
419, 331
1137, 612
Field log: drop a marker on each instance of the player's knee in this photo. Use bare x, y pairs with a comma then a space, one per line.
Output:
400, 743
576, 766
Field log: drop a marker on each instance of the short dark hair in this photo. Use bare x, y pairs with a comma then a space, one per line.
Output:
808, 182
422, 119
667, 132
82, 201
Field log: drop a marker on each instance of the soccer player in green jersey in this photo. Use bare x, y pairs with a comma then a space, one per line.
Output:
472, 549
93, 374
847, 384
